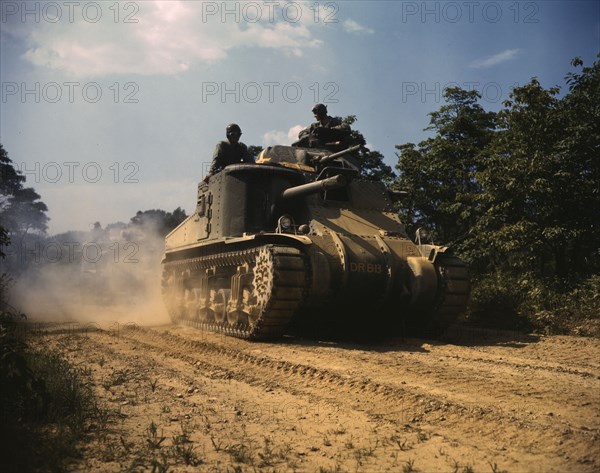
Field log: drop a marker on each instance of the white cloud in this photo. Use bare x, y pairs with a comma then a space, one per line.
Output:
168, 38
352, 26
275, 137
495, 59
293, 132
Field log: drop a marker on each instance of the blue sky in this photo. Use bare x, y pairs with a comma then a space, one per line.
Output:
110, 108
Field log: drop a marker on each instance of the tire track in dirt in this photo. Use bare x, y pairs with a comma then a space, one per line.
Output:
438, 407
430, 402
458, 374
295, 431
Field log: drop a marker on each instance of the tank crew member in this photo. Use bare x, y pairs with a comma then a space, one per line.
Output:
231, 151
326, 132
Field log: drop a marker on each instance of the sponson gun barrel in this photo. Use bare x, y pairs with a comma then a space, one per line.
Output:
334, 182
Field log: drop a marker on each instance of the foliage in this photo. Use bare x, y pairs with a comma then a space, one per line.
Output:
19, 390
517, 191
522, 301
46, 405
163, 222
4, 241
254, 151
20, 208
11, 181
440, 174
540, 186
371, 162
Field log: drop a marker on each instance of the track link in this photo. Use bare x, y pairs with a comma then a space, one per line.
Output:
454, 288
250, 294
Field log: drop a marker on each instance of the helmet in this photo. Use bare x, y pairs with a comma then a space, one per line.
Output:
319, 108
233, 129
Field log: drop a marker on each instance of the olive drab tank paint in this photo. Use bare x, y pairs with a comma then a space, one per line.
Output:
299, 235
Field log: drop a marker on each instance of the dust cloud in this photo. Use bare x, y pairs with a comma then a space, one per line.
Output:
98, 278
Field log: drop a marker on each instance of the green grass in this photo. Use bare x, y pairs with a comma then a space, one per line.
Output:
46, 404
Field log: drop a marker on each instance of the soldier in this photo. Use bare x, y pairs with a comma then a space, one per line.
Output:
231, 151
328, 132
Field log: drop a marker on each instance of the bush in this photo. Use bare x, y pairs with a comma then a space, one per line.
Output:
45, 403
565, 307
550, 306
496, 299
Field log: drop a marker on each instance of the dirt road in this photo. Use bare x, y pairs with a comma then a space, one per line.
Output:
183, 400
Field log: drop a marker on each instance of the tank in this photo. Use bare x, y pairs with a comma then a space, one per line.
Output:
300, 238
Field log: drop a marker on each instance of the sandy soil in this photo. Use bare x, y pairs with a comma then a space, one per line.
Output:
478, 401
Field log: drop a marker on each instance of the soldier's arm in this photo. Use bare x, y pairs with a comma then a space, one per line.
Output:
217, 162
338, 124
305, 132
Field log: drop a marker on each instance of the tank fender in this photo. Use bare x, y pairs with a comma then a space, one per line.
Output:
423, 282
278, 238
431, 251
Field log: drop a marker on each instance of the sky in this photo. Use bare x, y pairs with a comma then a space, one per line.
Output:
113, 107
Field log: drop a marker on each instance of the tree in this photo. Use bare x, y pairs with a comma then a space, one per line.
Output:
21, 209
371, 162
4, 241
173, 219
26, 213
159, 220
542, 179
524, 186
254, 151
440, 174
580, 147
519, 193
11, 180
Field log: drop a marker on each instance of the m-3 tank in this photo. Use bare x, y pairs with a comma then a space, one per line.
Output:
298, 236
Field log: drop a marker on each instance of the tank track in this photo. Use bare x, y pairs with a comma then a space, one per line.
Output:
454, 288
250, 294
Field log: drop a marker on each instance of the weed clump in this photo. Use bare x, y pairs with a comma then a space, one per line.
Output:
46, 404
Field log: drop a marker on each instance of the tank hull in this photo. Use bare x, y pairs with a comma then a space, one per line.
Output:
255, 287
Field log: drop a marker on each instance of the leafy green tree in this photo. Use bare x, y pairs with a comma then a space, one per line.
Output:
4, 241
519, 192
541, 181
161, 221
440, 174
254, 151
26, 213
524, 185
21, 209
11, 181
580, 148
175, 218
371, 162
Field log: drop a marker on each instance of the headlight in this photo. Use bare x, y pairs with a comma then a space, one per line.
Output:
285, 222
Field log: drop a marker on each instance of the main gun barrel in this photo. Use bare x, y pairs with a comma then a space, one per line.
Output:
334, 182
331, 157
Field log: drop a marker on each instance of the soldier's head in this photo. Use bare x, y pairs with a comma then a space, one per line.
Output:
233, 133
319, 111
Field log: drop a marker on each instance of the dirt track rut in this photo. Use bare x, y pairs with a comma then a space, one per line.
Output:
488, 401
